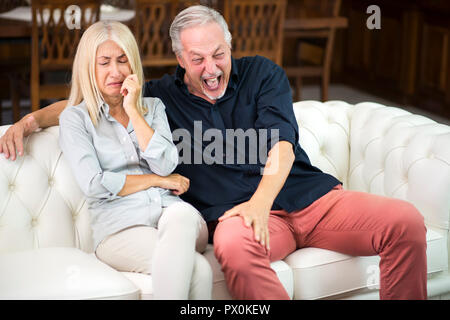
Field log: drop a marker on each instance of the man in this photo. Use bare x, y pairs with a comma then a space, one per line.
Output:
263, 218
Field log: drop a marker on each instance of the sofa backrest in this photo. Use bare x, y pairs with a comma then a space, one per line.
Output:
369, 147
402, 155
324, 130
382, 150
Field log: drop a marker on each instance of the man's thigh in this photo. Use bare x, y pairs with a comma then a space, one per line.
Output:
281, 238
356, 222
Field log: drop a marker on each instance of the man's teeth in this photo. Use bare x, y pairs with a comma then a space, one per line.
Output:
212, 82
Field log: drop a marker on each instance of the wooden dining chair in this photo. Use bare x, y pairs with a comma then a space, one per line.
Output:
315, 23
54, 42
151, 29
256, 27
14, 63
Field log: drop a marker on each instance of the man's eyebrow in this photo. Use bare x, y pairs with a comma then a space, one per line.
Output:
218, 48
193, 52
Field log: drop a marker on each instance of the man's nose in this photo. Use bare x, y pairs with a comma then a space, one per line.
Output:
210, 66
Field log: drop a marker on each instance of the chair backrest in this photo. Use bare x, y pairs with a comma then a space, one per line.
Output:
57, 26
256, 27
151, 29
318, 9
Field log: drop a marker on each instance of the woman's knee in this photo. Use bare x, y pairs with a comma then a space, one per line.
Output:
181, 214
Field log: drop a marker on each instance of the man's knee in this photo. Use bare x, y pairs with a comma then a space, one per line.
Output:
407, 223
233, 242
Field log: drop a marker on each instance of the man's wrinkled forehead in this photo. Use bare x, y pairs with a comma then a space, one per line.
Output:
202, 36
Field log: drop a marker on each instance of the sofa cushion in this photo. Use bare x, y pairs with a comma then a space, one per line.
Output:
320, 273
317, 273
220, 291
60, 273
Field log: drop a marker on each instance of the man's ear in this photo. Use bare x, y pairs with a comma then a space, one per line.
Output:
180, 60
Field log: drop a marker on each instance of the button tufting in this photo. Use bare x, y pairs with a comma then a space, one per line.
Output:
34, 222
51, 182
11, 186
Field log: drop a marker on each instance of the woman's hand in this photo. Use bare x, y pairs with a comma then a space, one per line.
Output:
130, 90
175, 182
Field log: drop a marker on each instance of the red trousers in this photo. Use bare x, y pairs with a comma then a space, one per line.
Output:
349, 222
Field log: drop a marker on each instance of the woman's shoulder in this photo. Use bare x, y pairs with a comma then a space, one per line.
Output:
78, 112
152, 103
79, 109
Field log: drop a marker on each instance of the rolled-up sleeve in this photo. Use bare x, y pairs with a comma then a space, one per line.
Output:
78, 149
161, 153
275, 110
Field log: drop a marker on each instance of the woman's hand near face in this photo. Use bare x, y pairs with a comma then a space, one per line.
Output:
130, 90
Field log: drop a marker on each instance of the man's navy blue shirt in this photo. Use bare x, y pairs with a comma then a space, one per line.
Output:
258, 96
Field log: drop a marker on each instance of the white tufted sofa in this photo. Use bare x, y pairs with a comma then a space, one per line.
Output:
45, 236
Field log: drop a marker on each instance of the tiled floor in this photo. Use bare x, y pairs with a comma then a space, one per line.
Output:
336, 92
353, 96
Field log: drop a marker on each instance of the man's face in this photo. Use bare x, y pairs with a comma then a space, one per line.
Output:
206, 57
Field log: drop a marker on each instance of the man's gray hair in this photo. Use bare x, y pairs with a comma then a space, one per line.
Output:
195, 16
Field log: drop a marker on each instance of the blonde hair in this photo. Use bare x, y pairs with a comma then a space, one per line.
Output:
84, 85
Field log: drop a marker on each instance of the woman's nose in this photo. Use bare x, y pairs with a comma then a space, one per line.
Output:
114, 70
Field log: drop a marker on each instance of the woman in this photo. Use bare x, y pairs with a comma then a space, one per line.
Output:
120, 149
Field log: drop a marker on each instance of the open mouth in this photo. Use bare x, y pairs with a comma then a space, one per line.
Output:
212, 84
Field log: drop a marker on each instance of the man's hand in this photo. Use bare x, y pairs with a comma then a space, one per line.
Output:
13, 137
256, 215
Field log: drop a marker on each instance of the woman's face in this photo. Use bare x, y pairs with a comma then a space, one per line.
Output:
111, 69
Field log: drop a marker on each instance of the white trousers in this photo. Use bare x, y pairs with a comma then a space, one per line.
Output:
171, 253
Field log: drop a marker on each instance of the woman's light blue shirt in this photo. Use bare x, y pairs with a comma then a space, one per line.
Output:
101, 157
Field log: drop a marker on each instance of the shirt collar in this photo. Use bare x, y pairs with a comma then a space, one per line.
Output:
234, 77
104, 108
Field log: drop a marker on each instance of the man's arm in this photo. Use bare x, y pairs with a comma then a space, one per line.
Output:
12, 140
255, 212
